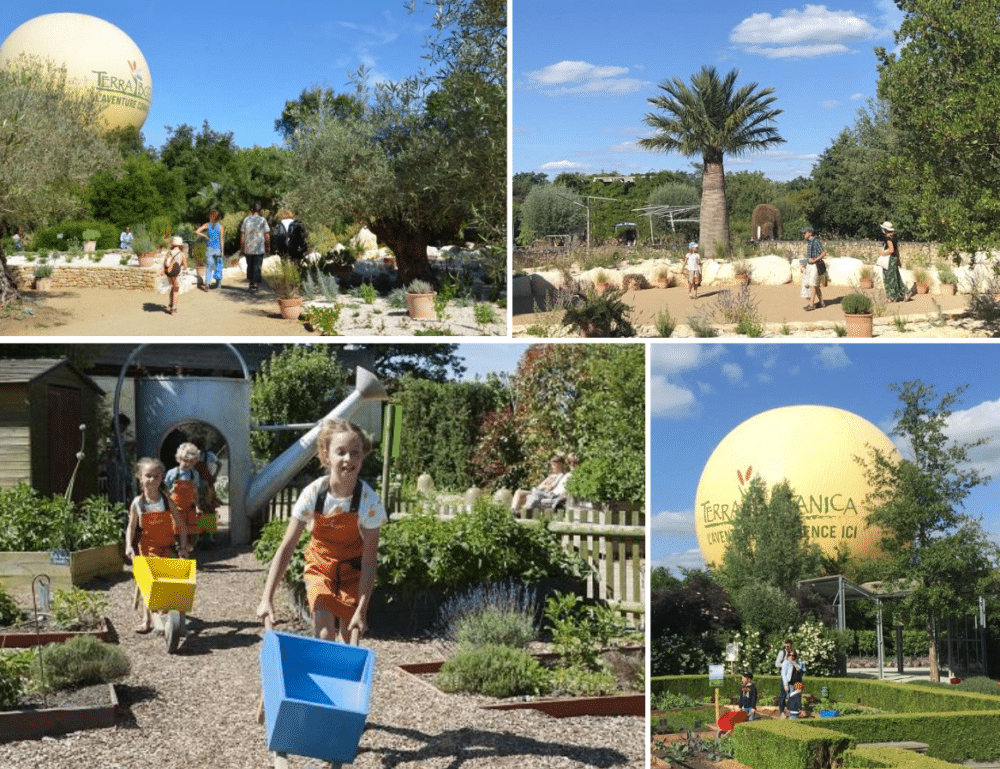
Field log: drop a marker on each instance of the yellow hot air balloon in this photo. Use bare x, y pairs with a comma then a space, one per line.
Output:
96, 54
814, 449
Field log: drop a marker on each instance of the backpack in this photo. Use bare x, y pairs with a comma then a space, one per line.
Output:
295, 242
279, 239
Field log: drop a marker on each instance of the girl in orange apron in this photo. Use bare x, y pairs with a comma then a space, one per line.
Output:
184, 485
341, 557
152, 519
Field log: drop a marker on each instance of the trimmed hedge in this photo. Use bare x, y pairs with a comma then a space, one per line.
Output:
786, 745
890, 758
952, 737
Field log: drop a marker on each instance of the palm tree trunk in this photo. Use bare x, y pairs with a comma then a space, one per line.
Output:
714, 225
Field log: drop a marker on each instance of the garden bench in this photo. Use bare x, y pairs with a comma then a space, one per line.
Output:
916, 747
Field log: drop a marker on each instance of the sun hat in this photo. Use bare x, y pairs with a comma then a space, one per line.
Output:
177, 240
693, 244
807, 228
887, 226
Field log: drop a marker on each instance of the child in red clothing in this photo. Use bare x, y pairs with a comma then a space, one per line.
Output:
341, 557
153, 516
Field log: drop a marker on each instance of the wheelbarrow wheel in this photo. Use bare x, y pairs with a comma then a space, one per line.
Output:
173, 630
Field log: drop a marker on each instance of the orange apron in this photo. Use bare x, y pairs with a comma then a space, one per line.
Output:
184, 493
157, 531
333, 564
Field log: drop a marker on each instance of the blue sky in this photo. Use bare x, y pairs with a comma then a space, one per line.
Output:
700, 392
482, 359
236, 65
583, 73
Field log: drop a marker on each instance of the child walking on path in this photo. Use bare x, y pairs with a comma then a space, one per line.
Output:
341, 558
185, 486
152, 518
692, 267
175, 259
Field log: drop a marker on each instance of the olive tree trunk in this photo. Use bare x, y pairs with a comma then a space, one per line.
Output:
8, 288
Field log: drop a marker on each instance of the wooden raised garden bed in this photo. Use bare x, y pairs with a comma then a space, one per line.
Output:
603, 705
24, 635
65, 569
34, 723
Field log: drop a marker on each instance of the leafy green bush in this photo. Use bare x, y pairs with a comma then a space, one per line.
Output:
486, 545
979, 684
577, 681
857, 304
498, 614
495, 627
14, 670
265, 548
32, 521
496, 671
48, 239
10, 612
601, 315
78, 609
580, 630
80, 661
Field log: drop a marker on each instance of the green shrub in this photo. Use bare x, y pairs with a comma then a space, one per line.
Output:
31, 521
267, 545
601, 315
78, 609
48, 239
14, 670
786, 745
580, 682
10, 612
80, 661
486, 545
489, 614
980, 685
890, 758
496, 671
496, 627
665, 324
857, 304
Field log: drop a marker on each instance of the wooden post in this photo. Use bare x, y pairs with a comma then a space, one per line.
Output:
717, 713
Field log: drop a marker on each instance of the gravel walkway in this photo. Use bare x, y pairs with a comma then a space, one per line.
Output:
197, 708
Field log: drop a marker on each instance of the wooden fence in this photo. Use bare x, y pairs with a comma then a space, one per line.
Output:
611, 539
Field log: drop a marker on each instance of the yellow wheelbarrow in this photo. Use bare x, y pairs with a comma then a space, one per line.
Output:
167, 586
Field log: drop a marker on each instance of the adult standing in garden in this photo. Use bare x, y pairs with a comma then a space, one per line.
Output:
791, 684
125, 239
779, 663
255, 242
891, 278
214, 232
815, 267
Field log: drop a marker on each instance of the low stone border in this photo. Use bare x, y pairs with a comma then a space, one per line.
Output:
89, 276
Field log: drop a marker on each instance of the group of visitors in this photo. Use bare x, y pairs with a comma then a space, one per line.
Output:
789, 695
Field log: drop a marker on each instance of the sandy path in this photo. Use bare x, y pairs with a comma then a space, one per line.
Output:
229, 312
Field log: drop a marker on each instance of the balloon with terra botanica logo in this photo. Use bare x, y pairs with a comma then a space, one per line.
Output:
814, 449
96, 54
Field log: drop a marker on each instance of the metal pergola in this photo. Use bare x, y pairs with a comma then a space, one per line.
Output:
675, 214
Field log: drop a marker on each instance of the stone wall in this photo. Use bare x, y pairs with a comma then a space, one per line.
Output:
90, 276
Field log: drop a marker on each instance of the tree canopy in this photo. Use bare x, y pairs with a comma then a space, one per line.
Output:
711, 119
938, 556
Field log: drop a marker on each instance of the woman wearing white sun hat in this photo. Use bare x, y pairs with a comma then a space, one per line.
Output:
892, 280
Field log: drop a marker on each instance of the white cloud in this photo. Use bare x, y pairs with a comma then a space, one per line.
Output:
689, 559
969, 425
831, 357
857, 96
733, 372
831, 104
583, 79
813, 31
673, 524
669, 400
561, 165
670, 359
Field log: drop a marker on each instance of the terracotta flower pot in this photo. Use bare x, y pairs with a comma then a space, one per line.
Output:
866, 282
421, 306
291, 308
922, 288
43, 284
860, 326
663, 282
148, 259
949, 289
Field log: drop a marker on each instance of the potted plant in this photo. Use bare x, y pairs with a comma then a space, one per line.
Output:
420, 297
342, 260
859, 313
663, 277
948, 279
923, 279
633, 281
866, 276
90, 237
742, 271
601, 281
144, 247
43, 277
286, 282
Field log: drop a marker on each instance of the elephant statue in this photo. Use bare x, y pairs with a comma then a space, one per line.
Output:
766, 223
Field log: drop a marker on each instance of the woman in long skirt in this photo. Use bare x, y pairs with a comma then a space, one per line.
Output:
893, 281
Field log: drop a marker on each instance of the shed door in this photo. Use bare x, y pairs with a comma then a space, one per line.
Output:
65, 415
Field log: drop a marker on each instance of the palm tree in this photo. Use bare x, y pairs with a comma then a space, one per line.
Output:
712, 118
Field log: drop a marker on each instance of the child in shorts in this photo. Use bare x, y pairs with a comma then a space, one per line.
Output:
185, 487
152, 519
341, 558
692, 267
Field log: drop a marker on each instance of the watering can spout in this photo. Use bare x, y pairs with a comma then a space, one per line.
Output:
275, 476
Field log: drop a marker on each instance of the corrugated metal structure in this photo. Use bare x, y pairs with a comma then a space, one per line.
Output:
43, 402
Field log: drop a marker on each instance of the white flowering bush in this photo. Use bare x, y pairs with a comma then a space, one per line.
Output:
754, 653
818, 647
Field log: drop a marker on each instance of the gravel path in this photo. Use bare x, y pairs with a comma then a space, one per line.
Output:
197, 708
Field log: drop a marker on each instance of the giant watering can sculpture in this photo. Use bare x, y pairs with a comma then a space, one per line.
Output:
279, 472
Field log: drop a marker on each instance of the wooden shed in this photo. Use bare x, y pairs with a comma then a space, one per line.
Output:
43, 402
